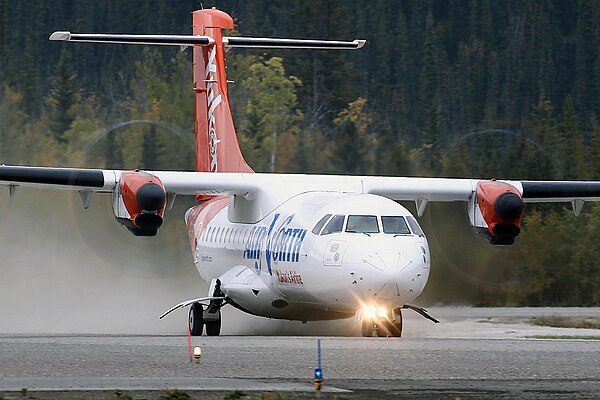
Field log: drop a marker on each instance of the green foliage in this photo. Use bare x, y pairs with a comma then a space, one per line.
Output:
268, 132
567, 322
62, 98
175, 394
236, 394
355, 143
119, 395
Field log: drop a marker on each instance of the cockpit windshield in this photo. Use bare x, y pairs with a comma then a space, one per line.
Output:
390, 224
415, 227
320, 224
395, 225
362, 224
334, 225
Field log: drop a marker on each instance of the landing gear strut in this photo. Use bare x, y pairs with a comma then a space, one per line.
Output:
390, 326
211, 316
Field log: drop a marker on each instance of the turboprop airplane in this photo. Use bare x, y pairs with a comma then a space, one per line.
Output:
289, 246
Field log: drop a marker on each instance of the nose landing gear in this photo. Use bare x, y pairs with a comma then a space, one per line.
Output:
388, 326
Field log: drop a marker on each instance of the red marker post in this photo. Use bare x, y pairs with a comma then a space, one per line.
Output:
190, 351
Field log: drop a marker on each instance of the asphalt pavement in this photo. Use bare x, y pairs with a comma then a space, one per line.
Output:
472, 353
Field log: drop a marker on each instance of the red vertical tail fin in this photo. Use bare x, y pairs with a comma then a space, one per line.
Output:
217, 148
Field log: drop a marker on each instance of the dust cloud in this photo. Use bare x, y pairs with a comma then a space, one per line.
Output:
66, 270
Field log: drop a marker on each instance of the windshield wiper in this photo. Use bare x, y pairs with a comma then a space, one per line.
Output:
351, 231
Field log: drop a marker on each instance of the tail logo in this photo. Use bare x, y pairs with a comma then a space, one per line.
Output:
213, 100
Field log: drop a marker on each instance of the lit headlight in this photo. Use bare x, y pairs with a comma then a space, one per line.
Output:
369, 312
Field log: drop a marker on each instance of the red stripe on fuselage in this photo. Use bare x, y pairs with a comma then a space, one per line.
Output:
200, 216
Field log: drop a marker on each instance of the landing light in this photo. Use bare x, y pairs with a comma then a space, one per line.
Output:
370, 312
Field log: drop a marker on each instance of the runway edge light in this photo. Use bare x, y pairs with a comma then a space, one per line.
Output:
197, 354
318, 379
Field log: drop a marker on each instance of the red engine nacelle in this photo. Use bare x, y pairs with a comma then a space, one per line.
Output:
143, 197
501, 206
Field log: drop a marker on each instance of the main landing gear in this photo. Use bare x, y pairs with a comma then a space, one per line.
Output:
209, 316
388, 324
200, 317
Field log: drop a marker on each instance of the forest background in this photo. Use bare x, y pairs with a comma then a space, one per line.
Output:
454, 88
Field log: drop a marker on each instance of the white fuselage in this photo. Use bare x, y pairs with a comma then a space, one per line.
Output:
282, 267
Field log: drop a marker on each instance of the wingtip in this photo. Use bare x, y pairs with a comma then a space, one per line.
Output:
60, 35
360, 43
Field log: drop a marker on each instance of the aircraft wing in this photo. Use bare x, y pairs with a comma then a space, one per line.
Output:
140, 197
451, 189
209, 183
106, 180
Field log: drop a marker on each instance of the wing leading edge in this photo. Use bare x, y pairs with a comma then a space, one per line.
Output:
198, 183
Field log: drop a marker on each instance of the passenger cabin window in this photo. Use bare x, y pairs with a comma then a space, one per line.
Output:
362, 224
415, 226
335, 225
395, 225
320, 224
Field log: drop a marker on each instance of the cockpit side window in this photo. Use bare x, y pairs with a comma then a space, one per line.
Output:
395, 225
362, 224
320, 224
415, 226
335, 225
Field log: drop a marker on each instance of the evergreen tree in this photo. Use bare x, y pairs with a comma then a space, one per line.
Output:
149, 156
430, 69
354, 142
13, 129
553, 162
272, 116
113, 154
575, 165
595, 150
3, 15
61, 99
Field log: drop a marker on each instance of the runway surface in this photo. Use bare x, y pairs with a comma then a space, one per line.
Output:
472, 353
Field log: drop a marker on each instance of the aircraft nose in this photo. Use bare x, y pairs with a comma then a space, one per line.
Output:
393, 274
387, 260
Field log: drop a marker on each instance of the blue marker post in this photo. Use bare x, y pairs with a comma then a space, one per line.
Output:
318, 380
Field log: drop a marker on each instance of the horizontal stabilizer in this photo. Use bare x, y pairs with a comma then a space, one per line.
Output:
167, 40
238, 41
188, 40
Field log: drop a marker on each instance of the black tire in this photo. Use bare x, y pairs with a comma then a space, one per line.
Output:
213, 328
394, 326
394, 329
381, 328
195, 321
367, 327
